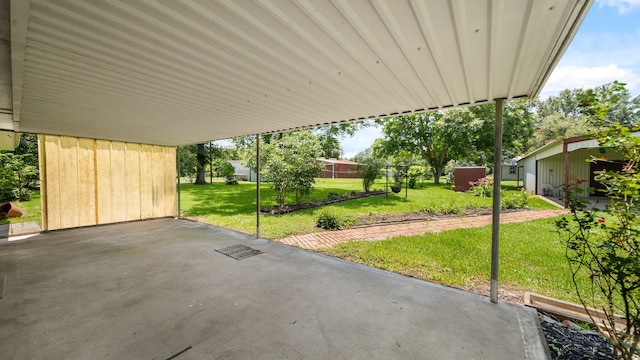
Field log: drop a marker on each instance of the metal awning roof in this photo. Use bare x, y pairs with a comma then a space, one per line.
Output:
177, 72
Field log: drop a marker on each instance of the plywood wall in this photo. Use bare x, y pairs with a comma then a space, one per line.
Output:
89, 182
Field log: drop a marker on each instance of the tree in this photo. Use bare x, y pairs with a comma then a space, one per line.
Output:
518, 127
17, 175
564, 116
188, 162
436, 136
201, 162
290, 164
331, 148
369, 171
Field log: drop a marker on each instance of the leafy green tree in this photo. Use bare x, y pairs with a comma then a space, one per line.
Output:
518, 128
188, 162
369, 171
290, 164
435, 136
331, 148
17, 175
563, 116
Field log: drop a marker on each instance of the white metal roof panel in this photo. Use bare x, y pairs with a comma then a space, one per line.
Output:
176, 72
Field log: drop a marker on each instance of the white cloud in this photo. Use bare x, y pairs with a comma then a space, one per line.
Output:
572, 77
623, 6
360, 141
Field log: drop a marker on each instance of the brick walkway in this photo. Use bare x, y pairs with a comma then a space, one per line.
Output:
382, 232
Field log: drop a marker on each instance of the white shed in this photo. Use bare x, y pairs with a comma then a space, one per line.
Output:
548, 168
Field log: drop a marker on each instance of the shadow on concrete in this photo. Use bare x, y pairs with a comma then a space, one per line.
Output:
154, 289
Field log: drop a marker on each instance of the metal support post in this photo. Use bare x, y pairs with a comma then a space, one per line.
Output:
258, 186
497, 176
178, 165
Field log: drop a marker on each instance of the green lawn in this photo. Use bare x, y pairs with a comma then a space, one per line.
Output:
234, 206
31, 210
531, 257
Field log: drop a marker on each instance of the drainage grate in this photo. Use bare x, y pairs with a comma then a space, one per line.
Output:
239, 252
3, 283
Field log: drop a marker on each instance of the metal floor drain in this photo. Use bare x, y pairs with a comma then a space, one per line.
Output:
238, 251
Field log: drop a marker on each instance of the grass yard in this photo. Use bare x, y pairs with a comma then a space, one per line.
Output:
234, 206
31, 210
531, 257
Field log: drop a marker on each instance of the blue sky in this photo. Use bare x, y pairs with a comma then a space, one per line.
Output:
606, 48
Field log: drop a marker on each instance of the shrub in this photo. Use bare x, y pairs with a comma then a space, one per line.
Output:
353, 193
332, 195
227, 171
329, 221
417, 175
369, 172
483, 188
446, 209
519, 200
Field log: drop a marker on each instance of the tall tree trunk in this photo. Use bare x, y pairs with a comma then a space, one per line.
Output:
436, 176
201, 157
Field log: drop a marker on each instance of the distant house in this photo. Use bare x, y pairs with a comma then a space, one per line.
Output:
548, 168
511, 170
242, 172
339, 169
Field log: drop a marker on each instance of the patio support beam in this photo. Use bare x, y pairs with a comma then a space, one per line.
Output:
178, 166
258, 186
497, 176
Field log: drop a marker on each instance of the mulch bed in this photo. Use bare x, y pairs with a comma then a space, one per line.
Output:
566, 343
276, 210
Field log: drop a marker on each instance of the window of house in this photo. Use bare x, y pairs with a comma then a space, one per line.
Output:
512, 170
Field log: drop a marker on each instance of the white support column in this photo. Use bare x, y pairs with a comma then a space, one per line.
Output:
497, 177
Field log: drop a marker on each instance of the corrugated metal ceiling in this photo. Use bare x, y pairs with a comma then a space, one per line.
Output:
176, 72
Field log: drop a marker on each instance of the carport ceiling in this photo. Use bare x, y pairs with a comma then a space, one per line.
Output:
177, 72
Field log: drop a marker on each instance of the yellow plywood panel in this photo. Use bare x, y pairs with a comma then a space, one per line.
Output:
132, 179
52, 175
86, 182
158, 181
68, 165
146, 181
118, 182
103, 180
170, 181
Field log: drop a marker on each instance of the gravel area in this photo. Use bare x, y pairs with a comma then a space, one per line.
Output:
572, 343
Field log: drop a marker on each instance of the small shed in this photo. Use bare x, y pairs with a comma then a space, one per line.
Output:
464, 175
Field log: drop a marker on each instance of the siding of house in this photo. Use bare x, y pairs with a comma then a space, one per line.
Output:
339, 170
506, 175
89, 182
551, 169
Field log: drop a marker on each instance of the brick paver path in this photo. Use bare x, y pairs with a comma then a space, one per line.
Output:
381, 232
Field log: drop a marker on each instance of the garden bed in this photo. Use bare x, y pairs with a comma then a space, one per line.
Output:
289, 208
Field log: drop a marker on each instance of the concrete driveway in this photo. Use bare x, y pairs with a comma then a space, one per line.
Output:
158, 290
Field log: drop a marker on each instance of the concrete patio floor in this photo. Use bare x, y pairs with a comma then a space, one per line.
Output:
153, 289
